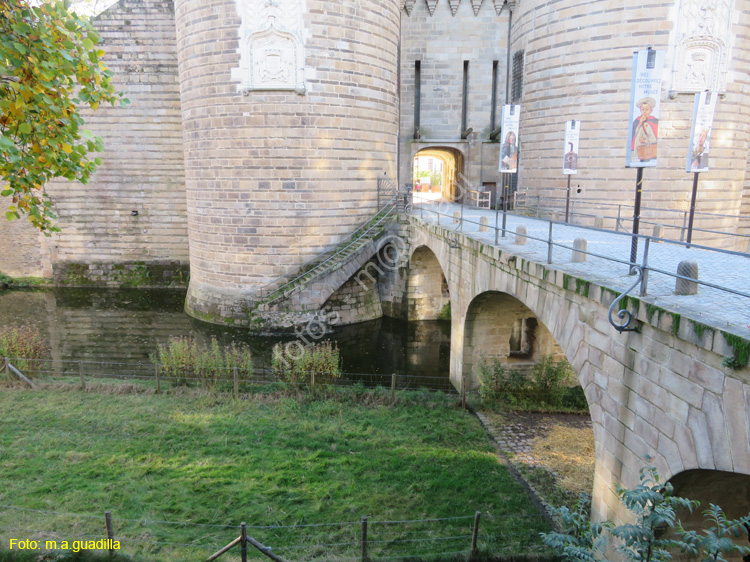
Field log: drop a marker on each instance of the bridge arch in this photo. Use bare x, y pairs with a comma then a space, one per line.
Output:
661, 390
498, 325
427, 287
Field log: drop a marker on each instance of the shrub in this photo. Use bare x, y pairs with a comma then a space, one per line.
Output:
653, 505
550, 380
184, 359
318, 365
546, 386
24, 345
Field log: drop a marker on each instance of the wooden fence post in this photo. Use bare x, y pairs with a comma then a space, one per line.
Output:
364, 539
110, 532
158, 379
393, 387
83, 380
236, 383
475, 533
243, 542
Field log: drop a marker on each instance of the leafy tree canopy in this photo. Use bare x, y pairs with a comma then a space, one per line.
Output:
50, 67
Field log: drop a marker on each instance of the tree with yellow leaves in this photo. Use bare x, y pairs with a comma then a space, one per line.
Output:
50, 67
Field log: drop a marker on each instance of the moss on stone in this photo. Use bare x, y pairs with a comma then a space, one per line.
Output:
740, 351
675, 323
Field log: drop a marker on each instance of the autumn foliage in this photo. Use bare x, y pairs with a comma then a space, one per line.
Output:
50, 68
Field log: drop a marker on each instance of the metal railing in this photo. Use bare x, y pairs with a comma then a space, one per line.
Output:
458, 221
620, 215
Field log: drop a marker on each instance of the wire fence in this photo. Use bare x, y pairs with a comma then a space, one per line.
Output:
360, 538
159, 377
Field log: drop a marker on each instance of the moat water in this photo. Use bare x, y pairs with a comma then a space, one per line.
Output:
126, 326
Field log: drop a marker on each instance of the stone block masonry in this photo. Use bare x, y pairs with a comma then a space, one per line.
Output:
134, 209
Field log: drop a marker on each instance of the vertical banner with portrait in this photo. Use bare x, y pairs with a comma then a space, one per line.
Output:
510, 124
700, 138
645, 101
570, 152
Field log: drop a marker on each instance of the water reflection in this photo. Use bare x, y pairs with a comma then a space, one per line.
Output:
126, 326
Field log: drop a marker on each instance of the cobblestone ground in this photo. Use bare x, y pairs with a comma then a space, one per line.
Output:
514, 434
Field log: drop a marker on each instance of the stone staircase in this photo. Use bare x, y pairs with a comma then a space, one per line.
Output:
310, 287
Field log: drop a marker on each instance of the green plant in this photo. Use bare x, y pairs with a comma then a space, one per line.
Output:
716, 540
186, 360
740, 352
445, 312
24, 345
580, 540
550, 380
654, 505
546, 386
319, 365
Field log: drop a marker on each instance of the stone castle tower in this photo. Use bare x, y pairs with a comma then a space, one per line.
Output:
258, 129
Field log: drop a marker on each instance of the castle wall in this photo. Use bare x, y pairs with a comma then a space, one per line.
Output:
275, 176
578, 66
21, 253
442, 41
142, 168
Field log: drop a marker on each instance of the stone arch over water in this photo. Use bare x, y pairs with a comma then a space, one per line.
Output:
498, 325
427, 286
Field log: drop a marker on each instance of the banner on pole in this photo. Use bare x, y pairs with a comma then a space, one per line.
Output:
570, 151
510, 124
645, 102
700, 137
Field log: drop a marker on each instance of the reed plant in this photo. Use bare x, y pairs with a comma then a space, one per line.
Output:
23, 345
316, 365
186, 360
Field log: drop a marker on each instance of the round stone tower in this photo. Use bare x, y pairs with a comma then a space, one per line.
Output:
577, 64
290, 115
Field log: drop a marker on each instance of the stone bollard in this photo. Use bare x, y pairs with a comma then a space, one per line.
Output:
683, 286
456, 217
598, 222
520, 235
658, 232
483, 224
579, 247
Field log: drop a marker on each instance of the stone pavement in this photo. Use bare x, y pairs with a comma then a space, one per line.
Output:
716, 307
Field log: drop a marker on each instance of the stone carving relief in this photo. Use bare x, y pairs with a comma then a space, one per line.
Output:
272, 54
408, 5
702, 45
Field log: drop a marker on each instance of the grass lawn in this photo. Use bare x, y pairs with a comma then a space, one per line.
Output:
273, 462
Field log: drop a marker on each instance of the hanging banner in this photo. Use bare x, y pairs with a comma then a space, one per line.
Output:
700, 138
510, 124
645, 101
570, 152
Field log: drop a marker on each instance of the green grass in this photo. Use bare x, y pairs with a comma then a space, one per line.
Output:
268, 461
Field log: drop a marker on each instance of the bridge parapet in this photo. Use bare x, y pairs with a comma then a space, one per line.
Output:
660, 390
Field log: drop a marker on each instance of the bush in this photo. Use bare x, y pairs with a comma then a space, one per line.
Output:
24, 345
653, 505
550, 380
184, 359
546, 386
317, 365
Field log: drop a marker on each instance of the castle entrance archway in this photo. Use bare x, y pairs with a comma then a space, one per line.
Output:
438, 169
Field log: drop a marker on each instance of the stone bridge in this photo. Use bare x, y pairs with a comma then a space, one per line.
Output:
661, 390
